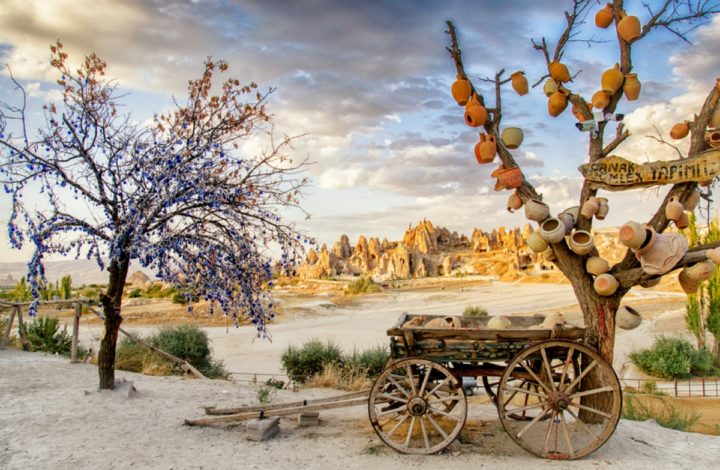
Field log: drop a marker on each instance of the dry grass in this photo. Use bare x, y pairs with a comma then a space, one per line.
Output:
346, 378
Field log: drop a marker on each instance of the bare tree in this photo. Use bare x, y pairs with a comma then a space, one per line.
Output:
180, 195
599, 311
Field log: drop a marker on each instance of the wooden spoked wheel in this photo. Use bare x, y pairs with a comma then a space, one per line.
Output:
417, 406
575, 409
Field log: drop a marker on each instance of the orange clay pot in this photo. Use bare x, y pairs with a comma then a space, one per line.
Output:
600, 99
680, 130
519, 83
486, 149
612, 79
461, 90
604, 17
631, 87
557, 102
559, 72
628, 27
475, 113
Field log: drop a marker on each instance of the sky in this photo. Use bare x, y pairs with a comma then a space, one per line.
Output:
367, 85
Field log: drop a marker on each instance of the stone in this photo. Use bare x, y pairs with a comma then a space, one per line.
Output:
125, 388
309, 418
138, 279
262, 429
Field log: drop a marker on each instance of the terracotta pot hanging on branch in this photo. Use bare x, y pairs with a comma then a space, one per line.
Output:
519, 83
631, 87
604, 16
475, 113
629, 27
486, 149
461, 90
612, 79
559, 72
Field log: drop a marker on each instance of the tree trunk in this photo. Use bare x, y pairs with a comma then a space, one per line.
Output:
111, 301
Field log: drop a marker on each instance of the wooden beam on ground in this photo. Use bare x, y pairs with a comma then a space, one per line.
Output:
277, 412
211, 410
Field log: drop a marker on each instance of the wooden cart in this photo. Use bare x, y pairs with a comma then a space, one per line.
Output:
548, 400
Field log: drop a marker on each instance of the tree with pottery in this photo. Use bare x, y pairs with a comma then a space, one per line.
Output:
180, 194
599, 297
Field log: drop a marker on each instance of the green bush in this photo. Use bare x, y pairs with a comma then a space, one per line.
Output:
303, 362
672, 358
364, 285
134, 357
372, 360
135, 293
44, 334
189, 342
182, 298
475, 311
155, 291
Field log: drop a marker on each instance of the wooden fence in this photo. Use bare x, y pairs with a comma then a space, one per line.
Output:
695, 387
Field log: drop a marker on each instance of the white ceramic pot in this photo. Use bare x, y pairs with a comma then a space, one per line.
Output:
689, 286
552, 230
606, 284
499, 323
701, 271
627, 318
590, 208
674, 209
662, 253
632, 234
596, 266
536, 210
574, 211
568, 222
514, 202
581, 242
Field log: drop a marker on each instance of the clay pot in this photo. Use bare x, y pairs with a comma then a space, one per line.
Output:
605, 284
714, 121
536, 210
577, 113
559, 72
552, 321
713, 138
612, 80
680, 130
603, 208
632, 234
701, 271
648, 243
536, 242
549, 254
600, 99
581, 242
683, 221
519, 83
662, 252
552, 230
512, 137
574, 211
627, 318
557, 102
475, 114
596, 266
499, 323
632, 87
568, 221
674, 209
604, 17
689, 285
692, 201
628, 27
514, 202
590, 208
510, 178
461, 90
713, 255
444, 323
550, 87
486, 149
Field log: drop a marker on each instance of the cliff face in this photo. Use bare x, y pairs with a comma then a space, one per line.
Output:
425, 250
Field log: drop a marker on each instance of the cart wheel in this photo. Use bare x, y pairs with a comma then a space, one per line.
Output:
575, 412
409, 403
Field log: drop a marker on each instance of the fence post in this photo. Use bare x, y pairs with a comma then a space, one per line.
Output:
21, 329
76, 333
703, 385
8, 329
676, 388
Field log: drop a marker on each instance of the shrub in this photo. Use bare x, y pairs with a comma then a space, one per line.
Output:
475, 311
182, 298
364, 285
344, 378
134, 357
190, 343
44, 334
303, 362
135, 293
672, 358
669, 416
372, 360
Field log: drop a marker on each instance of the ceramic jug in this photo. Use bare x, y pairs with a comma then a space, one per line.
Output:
689, 285
632, 234
581, 242
674, 209
590, 207
536, 242
552, 230
603, 208
605, 284
512, 137
701, 271
485, 149
596, 266
536, 210
627, 318
559, 72
475, 113
514, 202
461, 90
629, 27
600, 99
680, 130
604, 16
550, 87
612, 80
632, 87
519, 83
557, 102
662, 252
713, 138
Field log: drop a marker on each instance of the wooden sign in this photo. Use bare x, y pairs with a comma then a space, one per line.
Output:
617, 174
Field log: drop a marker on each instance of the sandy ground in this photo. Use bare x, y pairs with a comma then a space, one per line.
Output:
52, 417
